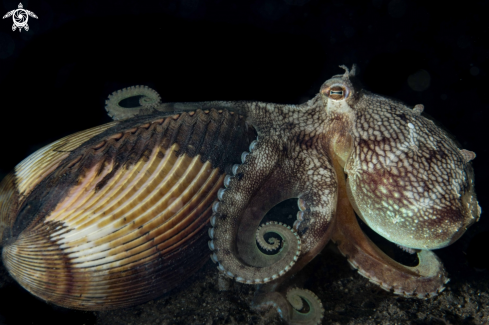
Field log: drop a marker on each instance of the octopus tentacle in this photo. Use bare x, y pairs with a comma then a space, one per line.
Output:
425, 280
317, 205
149, 99
248, 197
290, 307
273, 243
315, 314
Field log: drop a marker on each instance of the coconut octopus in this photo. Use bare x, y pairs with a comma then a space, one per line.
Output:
119, 214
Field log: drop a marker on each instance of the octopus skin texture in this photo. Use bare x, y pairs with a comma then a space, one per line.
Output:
227, 164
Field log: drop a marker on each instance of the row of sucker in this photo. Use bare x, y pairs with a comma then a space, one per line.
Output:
300, 214
149, 99
423, 255
242, 272
273, 243
295, 297
291, 308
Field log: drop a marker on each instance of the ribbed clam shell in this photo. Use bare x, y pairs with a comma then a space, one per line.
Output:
28, 173
35, 167
123, 218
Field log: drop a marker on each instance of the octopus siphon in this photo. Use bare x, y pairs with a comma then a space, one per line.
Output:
119, 214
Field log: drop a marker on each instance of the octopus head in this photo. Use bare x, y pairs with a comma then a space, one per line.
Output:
407, 179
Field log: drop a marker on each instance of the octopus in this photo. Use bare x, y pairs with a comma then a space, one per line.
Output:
345, 153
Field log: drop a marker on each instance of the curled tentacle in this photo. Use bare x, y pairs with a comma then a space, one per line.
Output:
315, 313
273, 243
254, 187
268, 268
291, 308
244, 202
149, 99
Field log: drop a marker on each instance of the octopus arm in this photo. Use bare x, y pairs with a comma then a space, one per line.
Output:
237, 216
291, 307
148, 100
317, 203
142, 100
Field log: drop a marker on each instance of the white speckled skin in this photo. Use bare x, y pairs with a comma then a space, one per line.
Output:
406, 179
288, 160
410, 182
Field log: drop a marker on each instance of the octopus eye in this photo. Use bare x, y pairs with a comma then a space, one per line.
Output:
337, 92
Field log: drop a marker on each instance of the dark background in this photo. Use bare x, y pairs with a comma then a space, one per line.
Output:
54, 78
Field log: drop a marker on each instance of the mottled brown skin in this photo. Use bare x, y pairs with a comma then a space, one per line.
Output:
344, 150
411, 174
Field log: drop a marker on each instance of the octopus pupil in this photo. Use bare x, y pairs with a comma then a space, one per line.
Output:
240, 176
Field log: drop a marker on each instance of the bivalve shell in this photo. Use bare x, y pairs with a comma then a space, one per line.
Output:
117, 215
